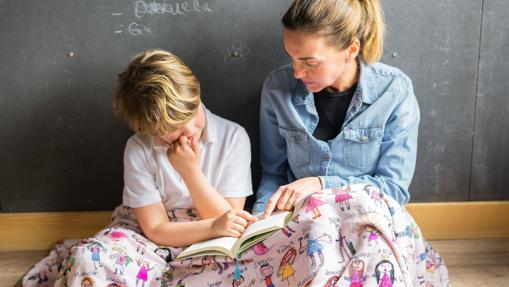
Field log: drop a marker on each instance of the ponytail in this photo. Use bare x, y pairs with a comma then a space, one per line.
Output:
341, 21
372, 38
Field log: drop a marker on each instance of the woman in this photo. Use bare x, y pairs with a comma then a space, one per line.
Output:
335, 118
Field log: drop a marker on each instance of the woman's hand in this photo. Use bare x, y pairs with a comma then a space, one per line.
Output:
287, 195
184, 155
232, 223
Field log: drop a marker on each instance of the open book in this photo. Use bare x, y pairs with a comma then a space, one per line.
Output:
231, 246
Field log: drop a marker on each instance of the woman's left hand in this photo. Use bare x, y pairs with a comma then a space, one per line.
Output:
287, 195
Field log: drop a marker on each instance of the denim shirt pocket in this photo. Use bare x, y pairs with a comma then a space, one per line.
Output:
362, 147
297, 143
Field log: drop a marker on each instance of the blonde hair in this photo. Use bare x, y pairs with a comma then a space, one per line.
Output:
157, 93
341, 21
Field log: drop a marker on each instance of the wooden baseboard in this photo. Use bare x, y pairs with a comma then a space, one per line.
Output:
452, 220
40, 231
462, 220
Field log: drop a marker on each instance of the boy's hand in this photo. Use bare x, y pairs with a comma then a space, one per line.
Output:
184, 155
232, 223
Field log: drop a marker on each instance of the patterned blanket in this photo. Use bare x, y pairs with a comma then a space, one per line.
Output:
349, 236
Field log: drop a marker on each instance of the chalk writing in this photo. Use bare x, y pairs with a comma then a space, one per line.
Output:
142, 8
137, 29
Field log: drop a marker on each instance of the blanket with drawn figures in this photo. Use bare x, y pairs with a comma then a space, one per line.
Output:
349, 236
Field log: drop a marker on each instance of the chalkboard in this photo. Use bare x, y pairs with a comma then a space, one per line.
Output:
437, 44
62, 146
490, 160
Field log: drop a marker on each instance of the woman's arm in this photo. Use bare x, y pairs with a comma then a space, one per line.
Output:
274, 162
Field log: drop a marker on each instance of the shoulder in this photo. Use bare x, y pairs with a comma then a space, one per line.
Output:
281, 78
280, 86
382, 83
389, 77
139, 140
394, 89
138, 145
225, 130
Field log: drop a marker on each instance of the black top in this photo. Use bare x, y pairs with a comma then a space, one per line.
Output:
331, 108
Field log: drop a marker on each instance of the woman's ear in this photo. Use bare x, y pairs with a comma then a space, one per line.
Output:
354, 48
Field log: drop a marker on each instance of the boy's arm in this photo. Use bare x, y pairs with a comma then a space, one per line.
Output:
237, 203
184, 157
233, 185
207, 201
155, 224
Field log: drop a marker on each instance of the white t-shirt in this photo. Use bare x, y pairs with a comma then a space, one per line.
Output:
225, 159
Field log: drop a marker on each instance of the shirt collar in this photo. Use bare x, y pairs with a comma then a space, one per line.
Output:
210, 130
365, 87
365, 92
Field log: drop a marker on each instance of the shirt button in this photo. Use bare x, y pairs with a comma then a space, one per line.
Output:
327, 157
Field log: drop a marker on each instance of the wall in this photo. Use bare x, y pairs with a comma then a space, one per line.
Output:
62, 146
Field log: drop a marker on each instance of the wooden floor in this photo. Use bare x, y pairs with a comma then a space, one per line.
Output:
470, 262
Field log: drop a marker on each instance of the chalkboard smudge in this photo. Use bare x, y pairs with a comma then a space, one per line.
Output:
235, 53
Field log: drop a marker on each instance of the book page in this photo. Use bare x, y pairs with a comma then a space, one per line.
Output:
230, 245
274, 221
222, 244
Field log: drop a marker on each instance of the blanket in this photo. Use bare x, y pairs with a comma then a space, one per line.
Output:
348, 236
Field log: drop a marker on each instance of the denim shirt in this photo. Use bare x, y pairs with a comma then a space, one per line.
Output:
377, 144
